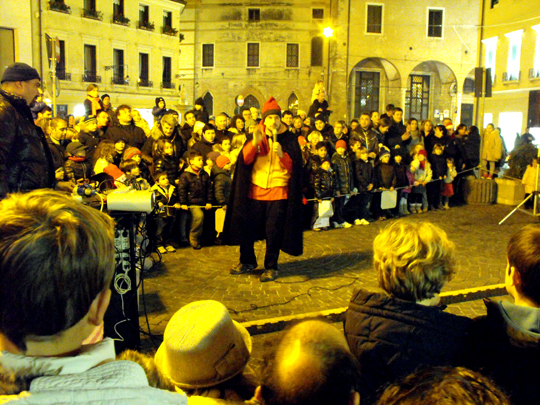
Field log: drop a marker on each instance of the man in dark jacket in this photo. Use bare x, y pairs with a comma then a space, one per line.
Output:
266, 195
505, 344
396, 134
368, 137
133, 135
393, 333
187, 129
200, 111
25, 159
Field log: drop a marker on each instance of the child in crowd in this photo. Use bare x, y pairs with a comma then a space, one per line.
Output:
314, 138
384, 179
77, 167
439, 169
103, 156
92, 103
448, 190
195, 192
210, 162
131, 169
319, 85
119, 147
342, 165
166, 198
159, 109
324, 189
403, 181
206, 144
363, 181
421, 169
224, 147
165, 160
221, 177
135, 154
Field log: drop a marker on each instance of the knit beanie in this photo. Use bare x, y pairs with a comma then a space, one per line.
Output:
103, 97
88, 119
384, 152
19, 72
158, 99
271, 107
212, 156
341, 144
222, 160
130, 152
423, 152
114, 171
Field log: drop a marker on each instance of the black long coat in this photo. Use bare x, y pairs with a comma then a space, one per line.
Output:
236, 220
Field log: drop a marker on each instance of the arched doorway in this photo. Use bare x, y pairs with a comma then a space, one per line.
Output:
292, 104
251, 101
375, 82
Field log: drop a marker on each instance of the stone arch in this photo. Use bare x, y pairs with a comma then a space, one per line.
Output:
292, 103
374, 82
431, 90
252, 101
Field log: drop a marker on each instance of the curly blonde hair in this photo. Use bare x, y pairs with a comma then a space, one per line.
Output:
413, 260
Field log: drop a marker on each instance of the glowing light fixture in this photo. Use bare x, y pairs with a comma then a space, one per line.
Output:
328, 32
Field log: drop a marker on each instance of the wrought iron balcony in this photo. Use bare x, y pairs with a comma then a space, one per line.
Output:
145, 83
60, 6
167, 85
92, 14
91, 77
146, 25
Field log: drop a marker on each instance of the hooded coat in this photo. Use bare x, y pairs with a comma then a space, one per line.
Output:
202, 114
236, 220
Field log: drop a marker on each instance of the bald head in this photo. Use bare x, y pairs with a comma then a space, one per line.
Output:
312, 365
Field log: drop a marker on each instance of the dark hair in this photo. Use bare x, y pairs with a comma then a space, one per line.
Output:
122, 107
157, 175
460, 126
128, 165
188, 112
411, 120
398, 109
208, 127
442, 128
524, 255
287, 112
225, 138
474, 130
429, 386
56, 256
334, 379
320, 145
384, 122
354, 120
366, 114
390, 107
194, 153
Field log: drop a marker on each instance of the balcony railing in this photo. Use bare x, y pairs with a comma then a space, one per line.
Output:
511, 77
145, 83
119, 80
167, 85
167, 30
91, 77
92, 14
121, 19
61, 74
146, 25
534, 73
60, 6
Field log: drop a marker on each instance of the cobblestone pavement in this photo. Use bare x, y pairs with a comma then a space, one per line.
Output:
334, 263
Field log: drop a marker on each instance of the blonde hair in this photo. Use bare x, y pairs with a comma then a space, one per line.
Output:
413, 260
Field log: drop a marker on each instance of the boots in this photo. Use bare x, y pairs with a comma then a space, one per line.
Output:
403, 208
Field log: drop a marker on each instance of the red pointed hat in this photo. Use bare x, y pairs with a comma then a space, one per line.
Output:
271, 107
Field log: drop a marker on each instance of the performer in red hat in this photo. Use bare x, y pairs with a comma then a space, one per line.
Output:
266, 195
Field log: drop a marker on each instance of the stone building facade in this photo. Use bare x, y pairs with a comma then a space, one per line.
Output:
419, 56
15, 33
511, 48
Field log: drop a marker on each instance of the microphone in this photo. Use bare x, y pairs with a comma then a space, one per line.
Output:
274, 133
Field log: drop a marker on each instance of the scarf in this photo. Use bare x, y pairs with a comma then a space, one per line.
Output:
96, 106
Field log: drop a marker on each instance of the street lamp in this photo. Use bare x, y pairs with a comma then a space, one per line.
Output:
328, 33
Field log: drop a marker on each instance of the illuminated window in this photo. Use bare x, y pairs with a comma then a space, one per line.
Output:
514, 54
490, 55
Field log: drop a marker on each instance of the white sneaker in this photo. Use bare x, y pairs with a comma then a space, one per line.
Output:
336, 225
346, 225
364, 222
358, 222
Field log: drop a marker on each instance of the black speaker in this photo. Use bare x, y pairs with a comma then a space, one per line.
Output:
488, 82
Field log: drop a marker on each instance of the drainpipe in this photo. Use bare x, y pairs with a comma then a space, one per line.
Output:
40, 43
347, 86
479, 64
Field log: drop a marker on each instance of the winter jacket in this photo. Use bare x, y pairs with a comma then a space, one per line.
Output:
202, 114
393, 136
133, 135
493, 146
90, 141
402, 178
505, 346
222, 185
324, 184
167, 164
25, 159
158, 113
58, 152
438, 166
363, 175
194, 188
91, 377
368, 139
204, 147
185, 132
167, 197
470, 149
78, 170
342, 166
318, 109
420, 174
391, 337
450, 145
384, 176
149, 148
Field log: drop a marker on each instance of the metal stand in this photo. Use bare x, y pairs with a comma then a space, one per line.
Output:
533, 194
